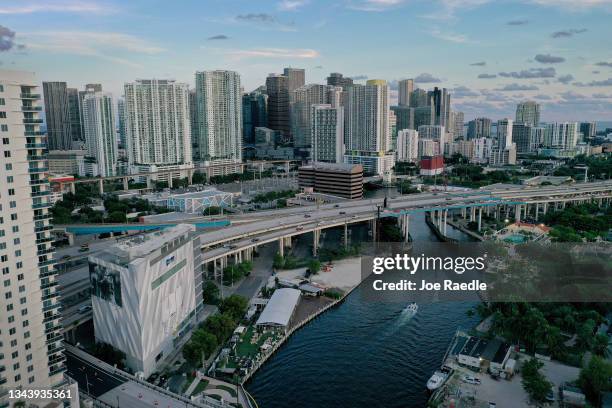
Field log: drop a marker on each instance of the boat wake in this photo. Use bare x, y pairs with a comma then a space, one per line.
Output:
402, 319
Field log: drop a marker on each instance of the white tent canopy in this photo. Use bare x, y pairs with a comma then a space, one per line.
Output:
280, 308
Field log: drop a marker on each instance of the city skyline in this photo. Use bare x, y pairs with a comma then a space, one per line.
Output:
550, 51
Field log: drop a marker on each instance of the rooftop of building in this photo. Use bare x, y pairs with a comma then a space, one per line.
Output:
280, 307
344, 167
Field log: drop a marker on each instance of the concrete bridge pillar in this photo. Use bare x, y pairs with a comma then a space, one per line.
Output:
149, 181
374, 232
126, 184
316, 235
479, 218
537, 211
563, 205
189, 177
444, 223
345, 236
288, 242
101, 186
406, 227
73, 188
281, 246
464, 213
517, 213
169, 180
497, 213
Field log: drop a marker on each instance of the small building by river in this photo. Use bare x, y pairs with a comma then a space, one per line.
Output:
280, 309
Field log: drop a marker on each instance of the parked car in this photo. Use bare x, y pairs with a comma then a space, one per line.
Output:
550, 397
84, 309
471, 380
492, 405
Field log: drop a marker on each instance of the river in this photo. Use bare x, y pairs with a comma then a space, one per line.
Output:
363, 353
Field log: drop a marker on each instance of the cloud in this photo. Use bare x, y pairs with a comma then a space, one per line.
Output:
531, 73
319, 67
79, 7
7, 39
291, 5
426, 78
359, 77
301, 53
543, 97
447, 9
605, 82
487, 76
218, 37
566, 79
455, 38
571, 95
602, 96
573, 5
548, 59
464, 92
518, 87
517, 22
604, 64
264, 21
478, 64
568, 33
89, 43
595, 72
374, 5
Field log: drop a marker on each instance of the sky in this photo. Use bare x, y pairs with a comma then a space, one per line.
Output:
491, 54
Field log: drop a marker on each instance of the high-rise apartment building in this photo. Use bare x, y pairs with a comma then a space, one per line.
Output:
435, 133
522, 136
337, 79
504, 133
482, 149
74, 115
327, 127
562, 136
479, 127
277, 88
528, 112
366, 126
296, 77
57, 115
121, 125
254, 114
405, 89
302, 99
458, 125
158, 127
31, 351
100, 133
88, 88
420, 98
588, 130
407, 146
219, 110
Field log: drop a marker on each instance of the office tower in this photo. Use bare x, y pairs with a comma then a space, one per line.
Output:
588, 130
522, 136
479, 127
266, 136
254, 114
463, 147
528, 112
366, 126
57, 115
99, 126
504, 133
404, 117
121, 126
219, 110
424, 115
392, 129
31, 334
74, 115
158, 127
327, 127
302, 99
336, 79
405, 89
277, 88
458, 125
562, 136
407, 146
537, 138
194, 122
482, 149
419, 98
441, 102
296, 77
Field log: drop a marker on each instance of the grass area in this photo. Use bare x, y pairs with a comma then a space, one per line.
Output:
200, 387
232, 391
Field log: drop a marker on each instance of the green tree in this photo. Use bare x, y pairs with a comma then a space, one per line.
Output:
234, 306
314, 266
595, 379
600, 345
205, 342
221, 325
210, 293
534, 382
117, 217
279, 261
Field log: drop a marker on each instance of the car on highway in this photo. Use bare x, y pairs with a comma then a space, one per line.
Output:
255, 240
336, 205
307, 215
84, 309
84, 248
299, 228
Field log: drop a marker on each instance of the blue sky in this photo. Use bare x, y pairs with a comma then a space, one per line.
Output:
491, 53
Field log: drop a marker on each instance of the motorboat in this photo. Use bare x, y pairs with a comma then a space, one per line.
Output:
412, 308
438, 378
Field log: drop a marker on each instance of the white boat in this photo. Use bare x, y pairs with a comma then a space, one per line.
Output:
436, 380
412, 308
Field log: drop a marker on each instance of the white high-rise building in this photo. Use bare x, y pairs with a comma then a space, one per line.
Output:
482, 149
219, 111
528, 112
157, 126
428, 147
563, 136
504, 133
99, 127
435, 133
327, 124
366, 126
302, 99
407, 146
405, 89
31, 351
